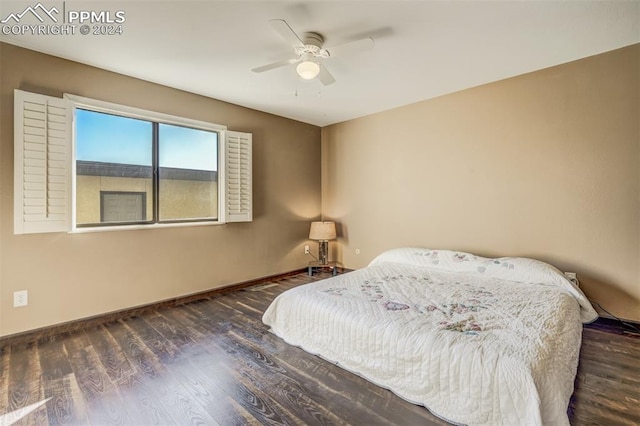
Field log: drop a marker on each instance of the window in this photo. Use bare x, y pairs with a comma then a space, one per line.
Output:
188, 164
175, 167
124, 166
113, 156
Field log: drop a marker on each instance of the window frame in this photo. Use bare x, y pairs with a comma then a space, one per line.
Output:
79, 102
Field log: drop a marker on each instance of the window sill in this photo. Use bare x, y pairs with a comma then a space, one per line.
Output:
136, 227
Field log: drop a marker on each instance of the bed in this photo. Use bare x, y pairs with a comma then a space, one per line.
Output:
475, 340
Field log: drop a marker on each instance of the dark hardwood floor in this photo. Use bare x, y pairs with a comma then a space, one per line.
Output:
214, 362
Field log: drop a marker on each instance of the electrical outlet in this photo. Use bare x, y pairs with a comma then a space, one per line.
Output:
306, 249
20, 298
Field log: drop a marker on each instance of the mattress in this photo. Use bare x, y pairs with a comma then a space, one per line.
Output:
475, 340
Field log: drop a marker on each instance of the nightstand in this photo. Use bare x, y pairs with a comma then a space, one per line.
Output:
318, 265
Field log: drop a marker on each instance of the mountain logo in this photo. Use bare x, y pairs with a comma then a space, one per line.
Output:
38, 11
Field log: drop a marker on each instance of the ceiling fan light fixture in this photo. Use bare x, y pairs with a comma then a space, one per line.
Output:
308, 70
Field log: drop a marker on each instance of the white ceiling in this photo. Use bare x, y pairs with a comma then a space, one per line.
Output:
423, 49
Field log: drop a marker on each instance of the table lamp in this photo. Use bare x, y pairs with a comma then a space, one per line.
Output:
323, 232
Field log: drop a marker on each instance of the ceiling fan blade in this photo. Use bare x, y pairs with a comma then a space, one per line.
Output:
286, 32
275, 65
325, 76
350, 47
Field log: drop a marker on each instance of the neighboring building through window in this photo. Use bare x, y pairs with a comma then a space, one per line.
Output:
172, 169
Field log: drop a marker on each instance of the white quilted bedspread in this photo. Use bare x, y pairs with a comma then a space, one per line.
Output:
477, 341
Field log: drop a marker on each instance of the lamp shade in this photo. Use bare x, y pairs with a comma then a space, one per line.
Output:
322, 231
308, 70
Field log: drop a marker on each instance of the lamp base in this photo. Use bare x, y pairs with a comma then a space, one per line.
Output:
323, 252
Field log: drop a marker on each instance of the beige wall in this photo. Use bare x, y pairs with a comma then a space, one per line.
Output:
544, 165
80, 275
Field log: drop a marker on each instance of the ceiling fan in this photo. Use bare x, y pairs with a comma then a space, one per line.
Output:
310, 54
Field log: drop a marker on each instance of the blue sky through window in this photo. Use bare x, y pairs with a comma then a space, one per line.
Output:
185, 148
114, 139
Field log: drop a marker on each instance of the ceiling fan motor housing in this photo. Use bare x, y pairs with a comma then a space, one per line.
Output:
312, 46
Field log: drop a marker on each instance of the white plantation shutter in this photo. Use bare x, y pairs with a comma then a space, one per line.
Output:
238, 186
42, 163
